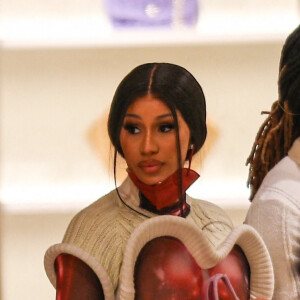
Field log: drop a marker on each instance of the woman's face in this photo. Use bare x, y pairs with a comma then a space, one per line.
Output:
148, 139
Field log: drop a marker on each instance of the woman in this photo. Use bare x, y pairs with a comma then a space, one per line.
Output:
274, 176
147, 239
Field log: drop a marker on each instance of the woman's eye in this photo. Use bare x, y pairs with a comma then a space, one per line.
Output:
132, 129
166, 127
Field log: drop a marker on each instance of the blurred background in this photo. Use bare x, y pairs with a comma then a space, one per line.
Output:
61, 62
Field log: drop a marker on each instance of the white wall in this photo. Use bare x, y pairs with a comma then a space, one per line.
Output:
54, 102
50, 101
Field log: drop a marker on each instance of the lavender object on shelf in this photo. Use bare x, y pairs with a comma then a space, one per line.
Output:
152, 13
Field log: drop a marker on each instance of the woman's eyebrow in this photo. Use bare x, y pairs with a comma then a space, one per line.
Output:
157, 118
164, 116
133, 116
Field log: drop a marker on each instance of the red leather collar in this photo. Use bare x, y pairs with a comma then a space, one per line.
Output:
164, 194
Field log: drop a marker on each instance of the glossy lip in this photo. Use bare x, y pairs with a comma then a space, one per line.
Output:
150, 166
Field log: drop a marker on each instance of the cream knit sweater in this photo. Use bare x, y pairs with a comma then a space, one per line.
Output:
99, 234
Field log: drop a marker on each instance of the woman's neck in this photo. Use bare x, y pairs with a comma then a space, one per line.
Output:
179, 208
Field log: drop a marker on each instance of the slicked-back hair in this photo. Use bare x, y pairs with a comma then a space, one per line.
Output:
171, 84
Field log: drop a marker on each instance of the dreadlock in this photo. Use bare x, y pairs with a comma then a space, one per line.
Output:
282, 126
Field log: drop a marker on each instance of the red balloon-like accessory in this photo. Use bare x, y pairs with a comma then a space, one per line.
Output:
166, 270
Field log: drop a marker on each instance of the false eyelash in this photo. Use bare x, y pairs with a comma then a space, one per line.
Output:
130, 128
170, 126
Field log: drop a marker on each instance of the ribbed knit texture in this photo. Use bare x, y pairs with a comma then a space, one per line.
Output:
103, 228
211, 220
206, 254
100, 233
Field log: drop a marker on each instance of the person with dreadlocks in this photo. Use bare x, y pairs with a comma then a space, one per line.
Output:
274, 175
147, 239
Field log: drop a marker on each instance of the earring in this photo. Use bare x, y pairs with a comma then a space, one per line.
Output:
190, 154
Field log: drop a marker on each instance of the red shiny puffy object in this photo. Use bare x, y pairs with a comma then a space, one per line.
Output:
166, 270
75, 280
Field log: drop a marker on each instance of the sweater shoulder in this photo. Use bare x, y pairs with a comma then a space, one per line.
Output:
106, 216
93, 213
209, 211
102, 230
211, 219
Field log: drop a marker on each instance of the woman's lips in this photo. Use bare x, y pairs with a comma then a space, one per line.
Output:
150, 166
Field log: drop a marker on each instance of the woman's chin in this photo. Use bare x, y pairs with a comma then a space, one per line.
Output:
151, 180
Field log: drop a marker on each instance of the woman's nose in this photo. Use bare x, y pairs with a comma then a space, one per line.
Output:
149, 144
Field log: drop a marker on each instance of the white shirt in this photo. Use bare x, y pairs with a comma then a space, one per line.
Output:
275, 214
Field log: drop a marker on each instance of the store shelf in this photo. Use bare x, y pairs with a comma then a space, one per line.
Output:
64, 199
95, 31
